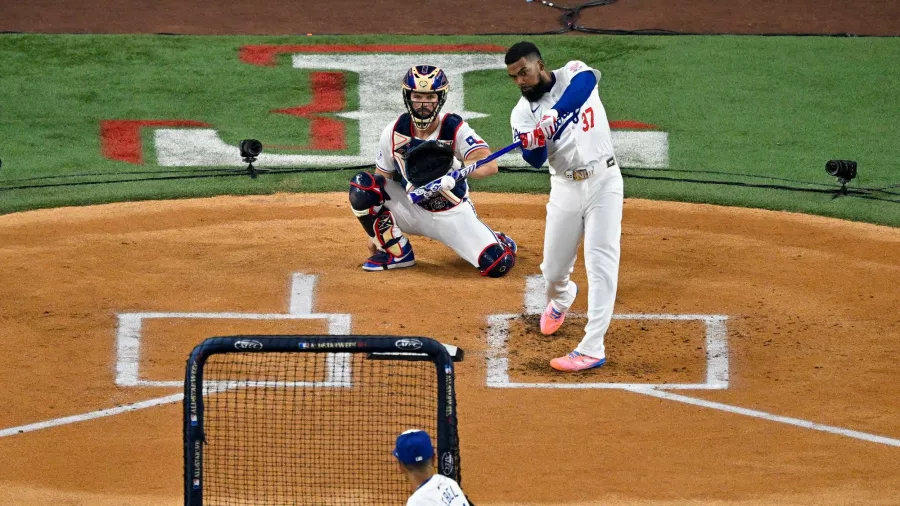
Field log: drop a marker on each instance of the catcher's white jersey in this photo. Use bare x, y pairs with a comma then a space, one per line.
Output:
388, 159
439, 490
454, 223
582, 137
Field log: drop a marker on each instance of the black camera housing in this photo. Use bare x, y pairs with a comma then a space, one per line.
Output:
250, 148
844, 170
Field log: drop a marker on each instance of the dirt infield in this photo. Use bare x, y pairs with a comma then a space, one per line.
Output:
811, 331
797, 314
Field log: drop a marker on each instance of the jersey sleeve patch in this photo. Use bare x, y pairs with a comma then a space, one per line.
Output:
379, 162
472, 143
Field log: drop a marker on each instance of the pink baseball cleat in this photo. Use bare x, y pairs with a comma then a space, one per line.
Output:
576, 362
551, 319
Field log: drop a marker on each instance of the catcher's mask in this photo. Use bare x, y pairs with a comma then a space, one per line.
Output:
425, 79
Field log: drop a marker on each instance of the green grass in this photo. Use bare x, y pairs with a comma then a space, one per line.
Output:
763, 106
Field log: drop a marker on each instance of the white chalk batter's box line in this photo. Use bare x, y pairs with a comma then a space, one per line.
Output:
128, 344
130, 330
716, 355
128, 339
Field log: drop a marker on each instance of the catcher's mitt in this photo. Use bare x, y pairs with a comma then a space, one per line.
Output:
427, 162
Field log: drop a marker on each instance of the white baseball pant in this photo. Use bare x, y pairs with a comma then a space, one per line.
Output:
459, 227
591, 208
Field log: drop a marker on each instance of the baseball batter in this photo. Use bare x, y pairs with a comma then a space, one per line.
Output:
414, 453
560, 118
423, 145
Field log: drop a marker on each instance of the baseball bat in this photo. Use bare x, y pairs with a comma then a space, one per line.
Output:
431, 189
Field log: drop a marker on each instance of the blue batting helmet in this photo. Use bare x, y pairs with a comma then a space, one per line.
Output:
425, 79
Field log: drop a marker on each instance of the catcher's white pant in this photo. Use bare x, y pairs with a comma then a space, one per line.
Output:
591, 208
459, 227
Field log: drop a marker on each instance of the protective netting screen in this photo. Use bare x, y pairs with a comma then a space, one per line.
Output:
310, 428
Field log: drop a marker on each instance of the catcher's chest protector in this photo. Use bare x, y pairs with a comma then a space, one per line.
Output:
403, 129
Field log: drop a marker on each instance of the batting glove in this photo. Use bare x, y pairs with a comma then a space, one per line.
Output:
533, 140
549, 123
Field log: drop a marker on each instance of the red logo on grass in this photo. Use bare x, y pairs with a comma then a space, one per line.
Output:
121, 139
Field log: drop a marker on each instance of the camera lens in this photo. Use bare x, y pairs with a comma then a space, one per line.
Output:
843, 169
250, 148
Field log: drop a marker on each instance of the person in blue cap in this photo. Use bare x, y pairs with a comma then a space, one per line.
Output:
415, 453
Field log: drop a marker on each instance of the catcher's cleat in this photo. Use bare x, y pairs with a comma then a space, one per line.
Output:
382, 260
576, 362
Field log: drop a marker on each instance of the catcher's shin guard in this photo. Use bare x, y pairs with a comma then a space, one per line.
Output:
367, 197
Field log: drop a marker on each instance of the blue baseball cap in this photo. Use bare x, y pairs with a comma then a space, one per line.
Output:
413, 446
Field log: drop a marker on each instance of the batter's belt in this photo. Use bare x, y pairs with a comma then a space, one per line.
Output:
585, 172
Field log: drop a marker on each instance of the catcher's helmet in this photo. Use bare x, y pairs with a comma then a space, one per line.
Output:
425, 79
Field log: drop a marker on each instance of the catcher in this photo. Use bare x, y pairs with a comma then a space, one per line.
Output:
421, 146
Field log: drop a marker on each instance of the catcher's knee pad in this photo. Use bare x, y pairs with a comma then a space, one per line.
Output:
496, 260
367, 194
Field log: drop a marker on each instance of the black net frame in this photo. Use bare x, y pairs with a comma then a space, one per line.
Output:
311, 419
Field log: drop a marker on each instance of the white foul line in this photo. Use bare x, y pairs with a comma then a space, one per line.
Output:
765, 416
169, 399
